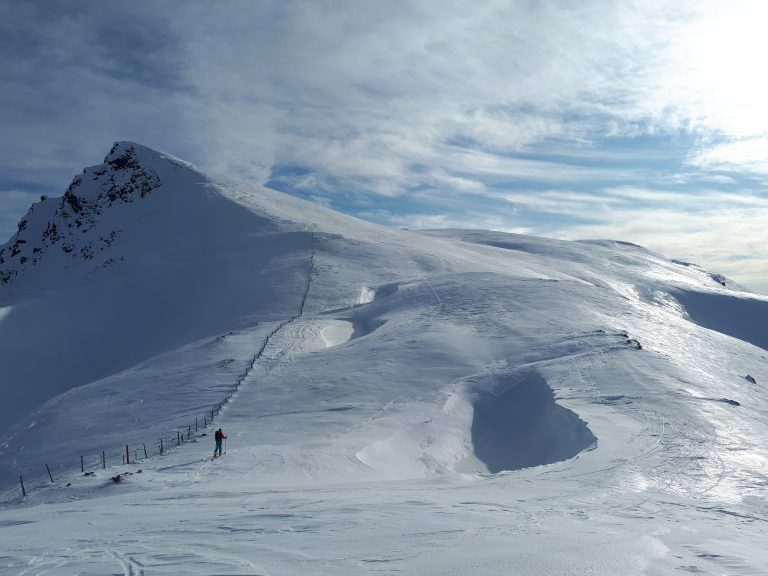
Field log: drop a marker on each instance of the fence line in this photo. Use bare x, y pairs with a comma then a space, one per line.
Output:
133, 454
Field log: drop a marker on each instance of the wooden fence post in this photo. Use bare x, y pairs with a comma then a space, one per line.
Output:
161, 446
195, 424
178, 438
145, 451
49, 472
82, 465
189, 431
127, 455
103, 460
205, 421
23, 491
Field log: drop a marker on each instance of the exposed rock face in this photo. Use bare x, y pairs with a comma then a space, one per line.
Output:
64, 225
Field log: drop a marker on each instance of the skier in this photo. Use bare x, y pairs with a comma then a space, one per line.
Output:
219, 437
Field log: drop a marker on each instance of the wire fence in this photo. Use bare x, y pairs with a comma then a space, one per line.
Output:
130, 453
135, 453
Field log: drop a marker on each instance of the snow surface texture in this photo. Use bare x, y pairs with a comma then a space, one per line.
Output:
446, 402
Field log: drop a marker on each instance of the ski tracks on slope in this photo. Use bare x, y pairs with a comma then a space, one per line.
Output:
257, 357
665, 441
130, 566
98, 559
581, 373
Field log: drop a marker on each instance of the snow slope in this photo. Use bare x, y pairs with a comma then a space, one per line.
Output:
435, 402
139, 257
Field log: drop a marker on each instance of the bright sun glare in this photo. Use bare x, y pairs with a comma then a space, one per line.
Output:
720, 68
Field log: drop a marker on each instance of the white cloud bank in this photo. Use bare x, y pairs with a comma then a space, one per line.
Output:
355, 90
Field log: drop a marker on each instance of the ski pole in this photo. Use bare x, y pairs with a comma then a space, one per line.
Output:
225, 445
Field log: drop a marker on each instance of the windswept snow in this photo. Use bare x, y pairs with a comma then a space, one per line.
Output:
444, 402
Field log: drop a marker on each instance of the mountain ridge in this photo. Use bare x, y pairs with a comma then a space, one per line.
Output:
121, 177
441, 401
146, 244
143, 244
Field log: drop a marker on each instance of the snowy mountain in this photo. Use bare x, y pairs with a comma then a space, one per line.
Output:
441, 402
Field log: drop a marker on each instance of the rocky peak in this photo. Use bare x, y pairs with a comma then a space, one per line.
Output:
62, 226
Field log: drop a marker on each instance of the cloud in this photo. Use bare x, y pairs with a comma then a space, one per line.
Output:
715, 74
370, 94
731, 240
439, 221
77, 78
575, 204
687, 200
745, 155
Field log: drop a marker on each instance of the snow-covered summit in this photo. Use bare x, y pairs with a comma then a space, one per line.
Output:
62, 225
141, 254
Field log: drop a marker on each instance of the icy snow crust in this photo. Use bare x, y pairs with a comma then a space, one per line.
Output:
445, 402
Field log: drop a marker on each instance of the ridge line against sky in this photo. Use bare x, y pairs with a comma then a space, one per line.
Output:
640, 121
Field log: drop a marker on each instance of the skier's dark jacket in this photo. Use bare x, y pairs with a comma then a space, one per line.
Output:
219, 435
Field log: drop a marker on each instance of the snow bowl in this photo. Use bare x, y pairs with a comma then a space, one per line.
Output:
332, 333
731, 314
517, 425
